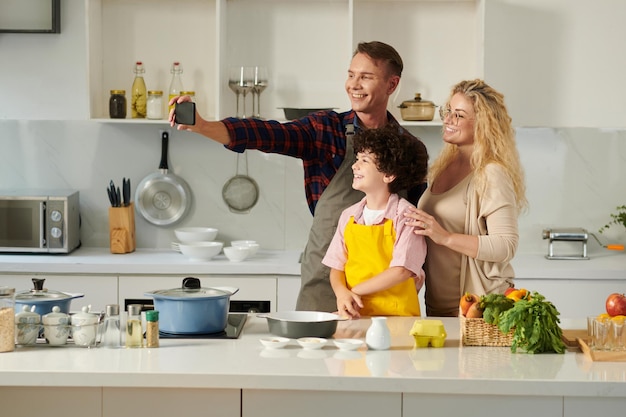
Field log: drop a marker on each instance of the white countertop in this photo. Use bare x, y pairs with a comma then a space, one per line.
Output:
602, 265
149, 261
245, 363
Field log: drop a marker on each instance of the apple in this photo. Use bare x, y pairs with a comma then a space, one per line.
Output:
467, 300
616, 305
509, 290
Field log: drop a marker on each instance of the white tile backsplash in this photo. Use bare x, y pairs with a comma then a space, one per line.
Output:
575, 178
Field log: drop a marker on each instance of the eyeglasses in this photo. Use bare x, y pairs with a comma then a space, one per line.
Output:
454, 116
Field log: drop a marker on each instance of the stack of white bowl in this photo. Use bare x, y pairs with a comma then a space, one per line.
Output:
197, 243
241, 249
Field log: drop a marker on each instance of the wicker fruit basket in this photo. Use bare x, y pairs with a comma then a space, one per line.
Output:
475, 332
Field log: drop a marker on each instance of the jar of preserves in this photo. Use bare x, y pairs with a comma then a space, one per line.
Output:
155, 104
7, 319
117, 104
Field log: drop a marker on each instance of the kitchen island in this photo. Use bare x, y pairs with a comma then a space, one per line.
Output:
240, 377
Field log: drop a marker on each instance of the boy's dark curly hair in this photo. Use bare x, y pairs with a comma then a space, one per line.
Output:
397, 153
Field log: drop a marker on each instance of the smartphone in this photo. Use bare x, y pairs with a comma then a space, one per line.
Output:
185, 113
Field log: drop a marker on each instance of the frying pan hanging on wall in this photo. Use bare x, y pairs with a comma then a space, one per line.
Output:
163, 198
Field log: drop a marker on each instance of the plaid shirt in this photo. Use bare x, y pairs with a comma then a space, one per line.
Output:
319, 140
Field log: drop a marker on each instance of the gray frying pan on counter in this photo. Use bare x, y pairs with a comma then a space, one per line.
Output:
163, 198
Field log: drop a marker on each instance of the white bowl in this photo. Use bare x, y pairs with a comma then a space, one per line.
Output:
237, 253
201, 251
275, 342
195, 234
254, 247
348, 344
312, 343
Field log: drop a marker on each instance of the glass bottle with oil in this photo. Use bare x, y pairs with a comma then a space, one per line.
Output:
134, 330
138, 97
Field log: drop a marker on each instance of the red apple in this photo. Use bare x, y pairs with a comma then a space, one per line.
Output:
616, 305
509, 290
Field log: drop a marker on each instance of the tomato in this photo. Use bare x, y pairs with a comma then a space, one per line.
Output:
510, 290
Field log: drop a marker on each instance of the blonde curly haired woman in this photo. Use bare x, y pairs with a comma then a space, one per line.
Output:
475, 195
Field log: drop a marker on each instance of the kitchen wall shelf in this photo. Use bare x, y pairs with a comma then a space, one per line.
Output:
306, 45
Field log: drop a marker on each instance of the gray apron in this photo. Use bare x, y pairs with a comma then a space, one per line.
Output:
316, 294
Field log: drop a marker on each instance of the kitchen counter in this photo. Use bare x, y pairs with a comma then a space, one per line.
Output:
149, 261
245, 363
249, 380
607, 265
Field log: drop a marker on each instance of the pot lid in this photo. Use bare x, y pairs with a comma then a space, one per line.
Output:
39, 293
190, 289
417, 102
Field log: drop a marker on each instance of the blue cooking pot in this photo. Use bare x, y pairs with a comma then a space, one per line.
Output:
44, 299
192, 309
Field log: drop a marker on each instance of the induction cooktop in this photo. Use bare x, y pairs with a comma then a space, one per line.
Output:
233, 329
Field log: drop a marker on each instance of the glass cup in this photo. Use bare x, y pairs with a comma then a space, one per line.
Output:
590, 330
601, 333
618, 334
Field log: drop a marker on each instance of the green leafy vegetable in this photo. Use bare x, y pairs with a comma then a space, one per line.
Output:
493, 305
535, 324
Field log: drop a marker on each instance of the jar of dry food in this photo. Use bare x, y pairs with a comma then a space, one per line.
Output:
7, 319
152, 328
117, 104
155, 104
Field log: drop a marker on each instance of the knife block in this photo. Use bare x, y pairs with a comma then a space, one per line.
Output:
122, 229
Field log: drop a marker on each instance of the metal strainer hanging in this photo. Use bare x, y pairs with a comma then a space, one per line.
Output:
240, 192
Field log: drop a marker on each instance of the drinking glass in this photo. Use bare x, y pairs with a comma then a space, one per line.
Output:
241, 81
260, 84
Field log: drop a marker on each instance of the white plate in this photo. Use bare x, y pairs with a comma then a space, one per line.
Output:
348, 344
275, 342
312, 343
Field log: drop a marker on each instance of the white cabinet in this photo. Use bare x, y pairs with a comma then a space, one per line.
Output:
306, 45
276, 403
52, 401
188, 402
99, 290
436, 405
287, 293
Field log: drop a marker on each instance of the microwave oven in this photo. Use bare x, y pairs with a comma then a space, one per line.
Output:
44, 221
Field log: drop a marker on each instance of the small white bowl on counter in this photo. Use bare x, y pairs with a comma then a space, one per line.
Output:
237, 253
201, 251
275, 342
348, 344
251, 244
312, 343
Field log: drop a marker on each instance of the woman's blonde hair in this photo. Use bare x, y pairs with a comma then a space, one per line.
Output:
494, 138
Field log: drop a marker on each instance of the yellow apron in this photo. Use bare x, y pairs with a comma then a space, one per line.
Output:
370, 250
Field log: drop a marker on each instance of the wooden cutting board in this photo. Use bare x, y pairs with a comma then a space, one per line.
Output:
571, 336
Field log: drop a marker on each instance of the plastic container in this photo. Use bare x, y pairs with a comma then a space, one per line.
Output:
7, 319
428, 332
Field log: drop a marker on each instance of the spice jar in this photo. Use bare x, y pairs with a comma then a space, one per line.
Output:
134, 331
111, 331
117, 104
7, 319
152, 328
27, 325
155, 104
